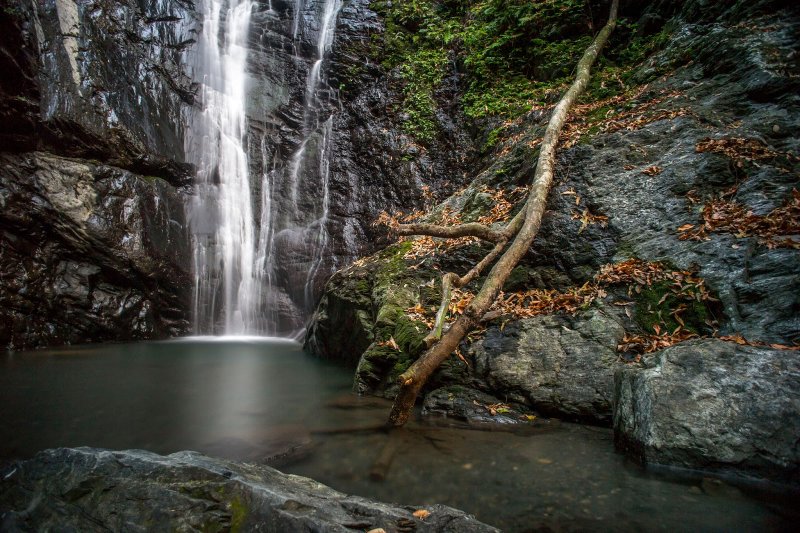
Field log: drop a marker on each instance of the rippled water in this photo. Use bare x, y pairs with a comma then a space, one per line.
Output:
267, 401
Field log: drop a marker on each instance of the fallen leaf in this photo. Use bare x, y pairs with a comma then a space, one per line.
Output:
686, 227
653, 170
784, 347
422, 514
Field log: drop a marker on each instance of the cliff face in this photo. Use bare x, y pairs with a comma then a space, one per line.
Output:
93, 244
331, 161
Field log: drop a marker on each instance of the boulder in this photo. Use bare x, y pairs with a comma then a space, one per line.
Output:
86, 489
558, 365
711, 404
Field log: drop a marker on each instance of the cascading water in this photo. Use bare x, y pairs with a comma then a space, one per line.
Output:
312, 125
222, 210
241, 223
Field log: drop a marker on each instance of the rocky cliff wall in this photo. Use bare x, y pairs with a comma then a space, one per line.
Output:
94, 244
97, 98
334, 163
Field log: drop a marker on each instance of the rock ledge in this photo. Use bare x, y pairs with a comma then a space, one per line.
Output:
88, 489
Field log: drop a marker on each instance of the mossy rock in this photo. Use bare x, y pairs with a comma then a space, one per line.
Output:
656, 304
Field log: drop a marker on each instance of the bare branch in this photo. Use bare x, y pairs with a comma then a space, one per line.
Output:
475, 271
448, 280
472, 229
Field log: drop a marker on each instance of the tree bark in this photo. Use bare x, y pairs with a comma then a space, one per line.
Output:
471, 229
412, 380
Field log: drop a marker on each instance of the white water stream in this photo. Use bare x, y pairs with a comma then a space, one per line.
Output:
235, 260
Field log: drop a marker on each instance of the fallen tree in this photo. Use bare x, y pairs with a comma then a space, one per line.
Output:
511, 244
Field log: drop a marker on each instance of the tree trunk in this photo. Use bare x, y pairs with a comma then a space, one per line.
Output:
413, 379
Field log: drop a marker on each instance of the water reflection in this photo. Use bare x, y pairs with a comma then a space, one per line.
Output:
163, 397
267, 401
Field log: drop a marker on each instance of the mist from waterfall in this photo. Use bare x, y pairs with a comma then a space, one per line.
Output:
237, 214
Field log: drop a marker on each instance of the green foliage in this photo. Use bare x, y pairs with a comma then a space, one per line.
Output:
515, 51
418, 36
515, 54
421, 74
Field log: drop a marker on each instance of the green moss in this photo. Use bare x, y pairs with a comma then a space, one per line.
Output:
399, 367
393, 265
239, 512
656, 304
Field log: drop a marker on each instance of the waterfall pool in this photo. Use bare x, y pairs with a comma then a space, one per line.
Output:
265, 400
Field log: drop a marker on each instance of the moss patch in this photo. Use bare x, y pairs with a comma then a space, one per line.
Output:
238, 514
657, 305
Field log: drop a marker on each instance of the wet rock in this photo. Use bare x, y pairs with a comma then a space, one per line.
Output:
93, 245
710, 404
88, 489
711, 80
89, 253
476, 408
343, 323
559, 366
100, 81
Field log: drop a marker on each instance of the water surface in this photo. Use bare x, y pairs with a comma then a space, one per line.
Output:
267, 401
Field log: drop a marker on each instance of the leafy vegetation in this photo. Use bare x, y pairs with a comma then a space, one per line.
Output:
515, 54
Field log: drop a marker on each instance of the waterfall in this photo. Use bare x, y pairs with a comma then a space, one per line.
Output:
239, 216
313, 124
222, 211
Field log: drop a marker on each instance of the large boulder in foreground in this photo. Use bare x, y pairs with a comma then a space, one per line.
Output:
87, 489
715, 405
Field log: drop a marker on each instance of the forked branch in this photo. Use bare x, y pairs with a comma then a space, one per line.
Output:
527, 222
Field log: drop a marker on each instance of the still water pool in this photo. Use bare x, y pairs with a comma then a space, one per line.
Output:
267, 401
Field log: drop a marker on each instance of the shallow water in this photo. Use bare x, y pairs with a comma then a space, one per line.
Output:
267, 401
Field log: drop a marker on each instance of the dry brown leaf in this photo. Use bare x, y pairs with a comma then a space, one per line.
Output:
652, 170
391, 343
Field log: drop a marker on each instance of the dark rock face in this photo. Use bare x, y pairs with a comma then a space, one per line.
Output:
99, 81
93, 244
348, 142
88, 489
713, 405
88, 253
728, 91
